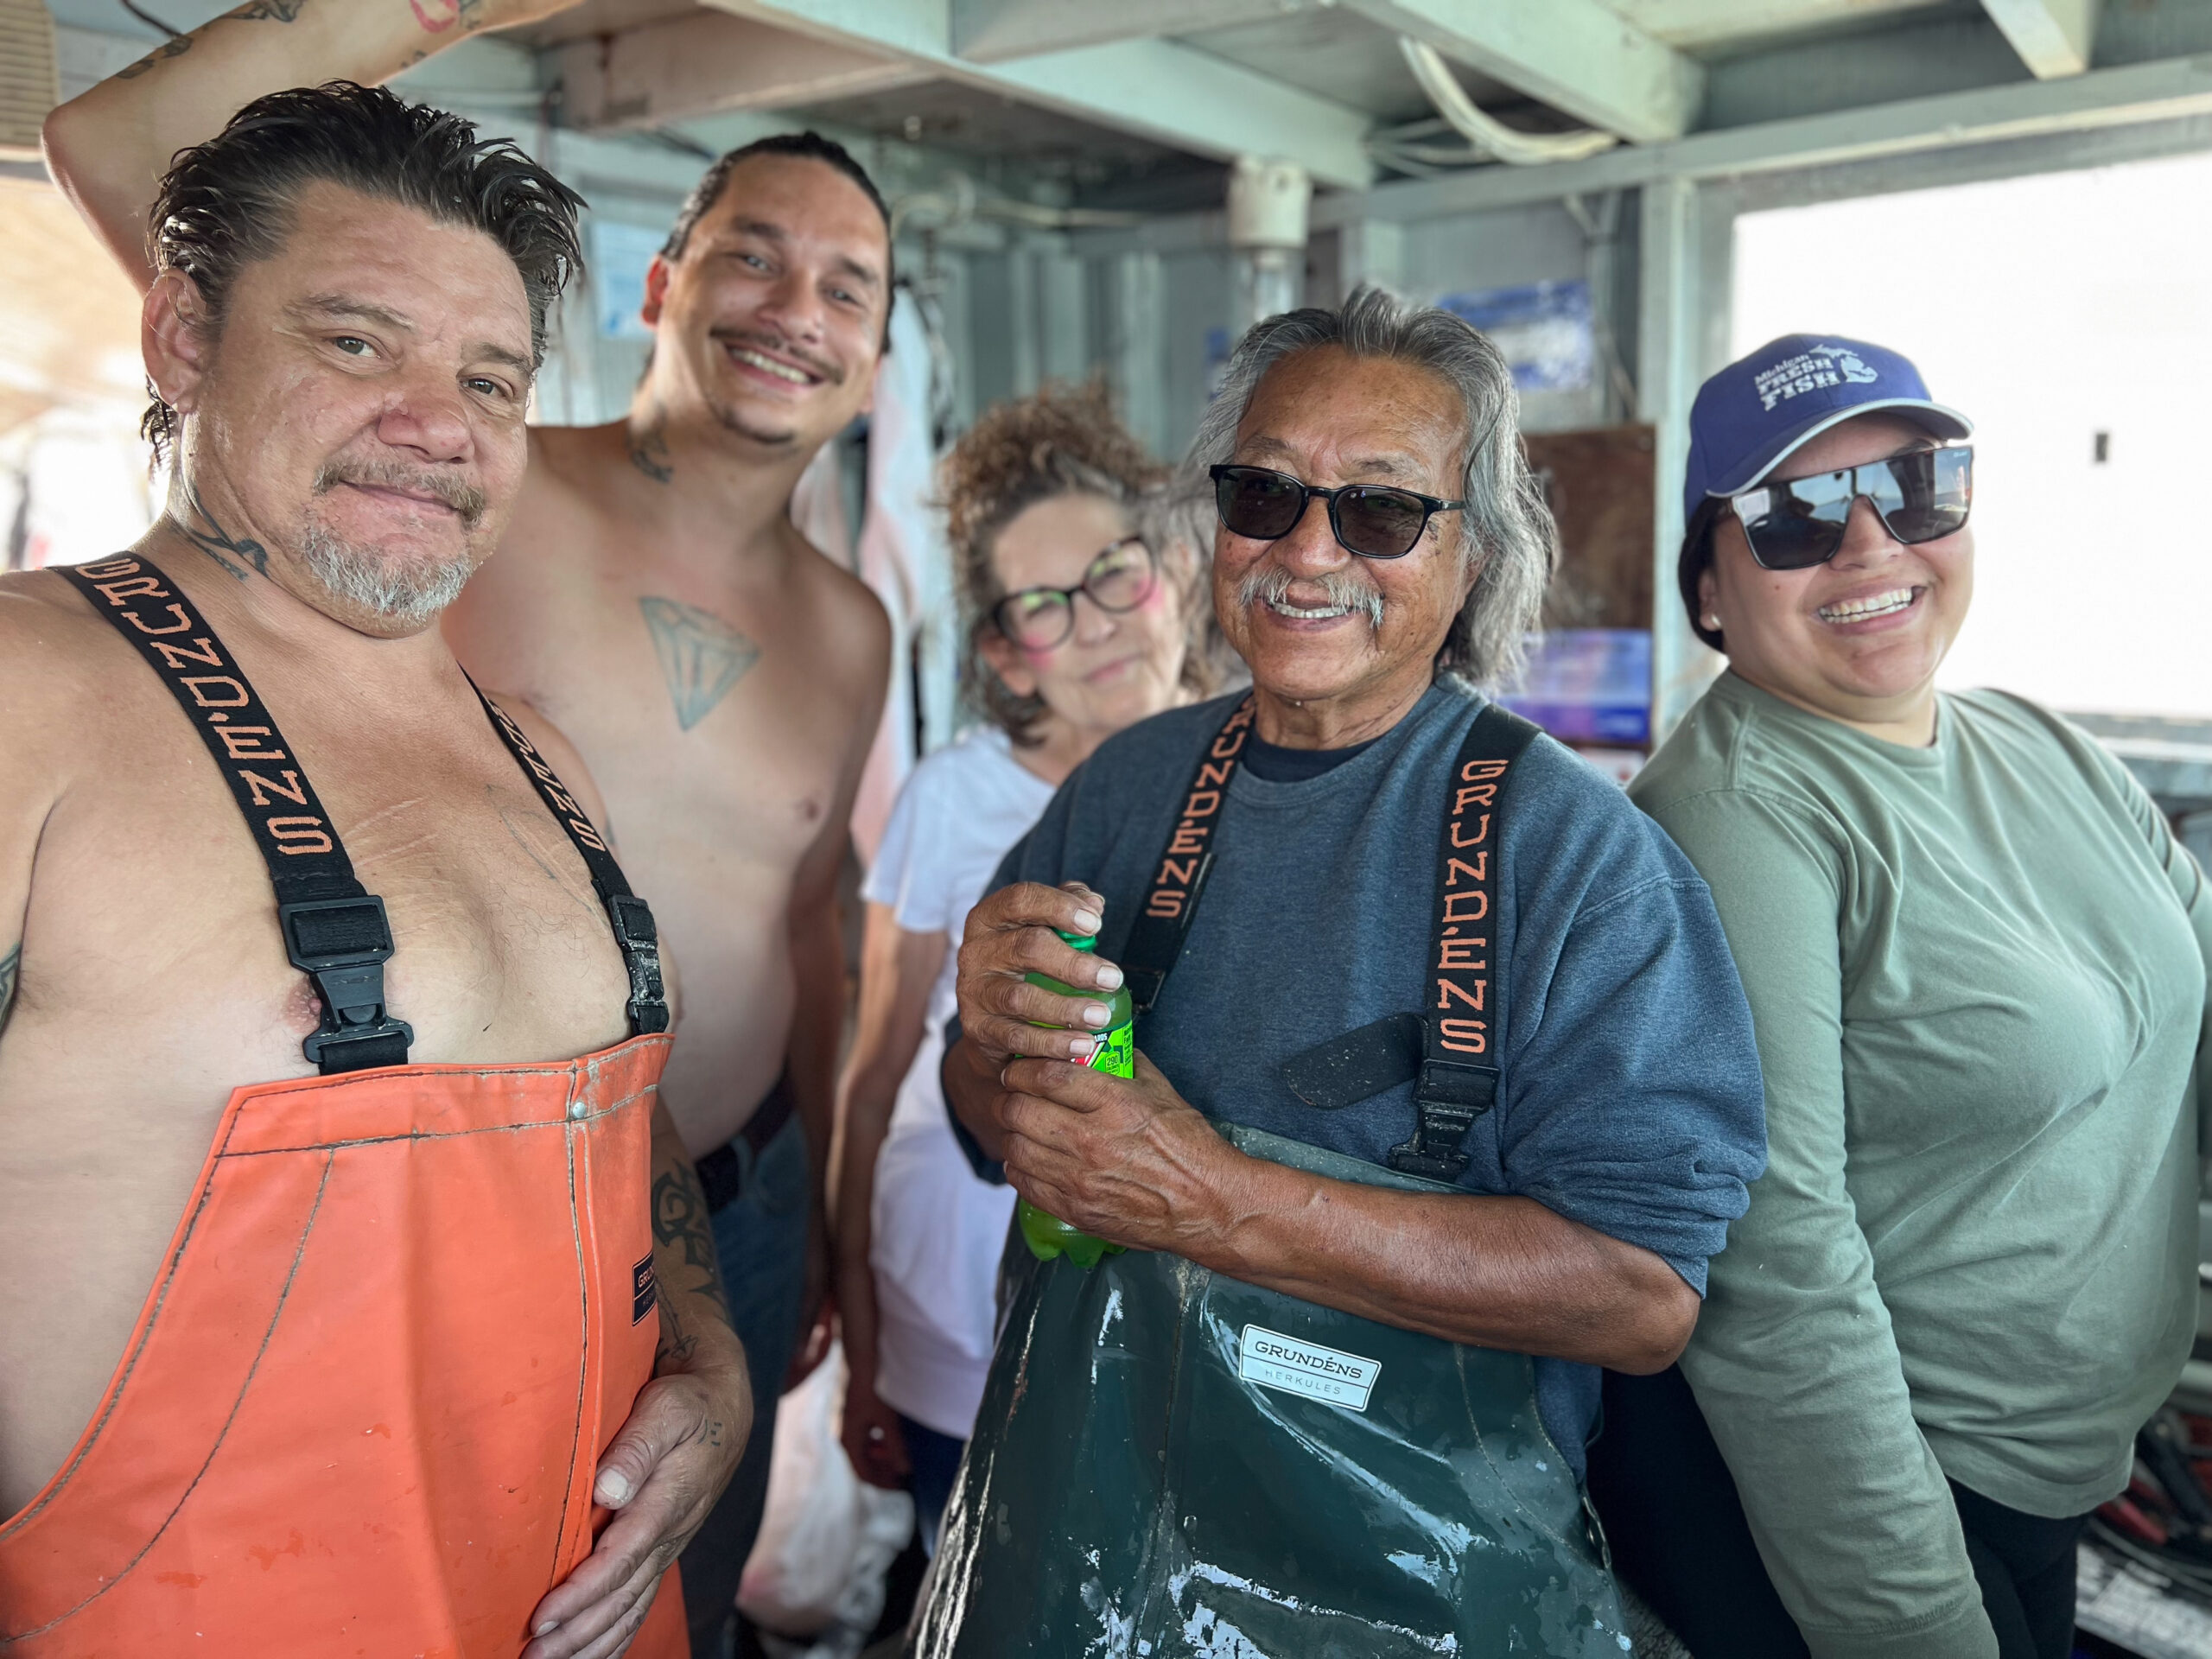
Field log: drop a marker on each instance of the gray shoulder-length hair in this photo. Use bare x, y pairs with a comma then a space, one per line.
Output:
1505, 523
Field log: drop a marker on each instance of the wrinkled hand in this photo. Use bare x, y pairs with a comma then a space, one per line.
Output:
1129, 1160
1010, 934
661, 1475
873, 1439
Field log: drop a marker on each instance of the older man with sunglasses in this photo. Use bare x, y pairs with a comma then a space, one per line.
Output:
1976, 956
1444, 1091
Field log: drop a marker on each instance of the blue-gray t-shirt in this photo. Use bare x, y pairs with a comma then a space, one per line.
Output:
1630, 1099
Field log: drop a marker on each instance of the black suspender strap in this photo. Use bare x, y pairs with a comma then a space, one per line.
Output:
335, 932
1156, 941
1457, 1081
1444, 1049
631, 917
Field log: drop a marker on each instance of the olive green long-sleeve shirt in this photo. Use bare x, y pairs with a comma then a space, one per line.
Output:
1977, 971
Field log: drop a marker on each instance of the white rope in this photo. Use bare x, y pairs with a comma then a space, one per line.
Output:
1489, 135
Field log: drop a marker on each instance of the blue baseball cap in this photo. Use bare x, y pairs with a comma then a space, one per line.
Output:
1753, 416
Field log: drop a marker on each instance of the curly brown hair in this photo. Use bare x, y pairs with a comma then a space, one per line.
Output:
1061, 439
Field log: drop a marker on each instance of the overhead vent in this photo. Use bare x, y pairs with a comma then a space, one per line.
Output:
28, 87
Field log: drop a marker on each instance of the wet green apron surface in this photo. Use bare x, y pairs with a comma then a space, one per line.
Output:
1133, 1488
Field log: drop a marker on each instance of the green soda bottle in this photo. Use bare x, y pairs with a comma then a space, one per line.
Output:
1047, 1235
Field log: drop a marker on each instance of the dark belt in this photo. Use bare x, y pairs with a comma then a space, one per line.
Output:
722, 1172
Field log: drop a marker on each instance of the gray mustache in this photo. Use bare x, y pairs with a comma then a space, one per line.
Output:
464, 499
1271, 584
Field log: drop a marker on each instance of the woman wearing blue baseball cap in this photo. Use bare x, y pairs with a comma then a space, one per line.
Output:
1976, 958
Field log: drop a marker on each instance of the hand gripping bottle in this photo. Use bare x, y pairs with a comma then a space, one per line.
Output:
1048, 1236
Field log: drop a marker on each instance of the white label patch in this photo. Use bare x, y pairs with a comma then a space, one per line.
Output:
1275, 1361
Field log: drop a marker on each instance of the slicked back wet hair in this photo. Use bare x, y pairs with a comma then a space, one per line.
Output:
808, 146
231, 201
1505, 523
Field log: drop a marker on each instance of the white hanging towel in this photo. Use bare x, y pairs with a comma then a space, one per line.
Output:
817, 508
902, 555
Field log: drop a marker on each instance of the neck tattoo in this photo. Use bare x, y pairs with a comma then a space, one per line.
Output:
649, 448
233, 553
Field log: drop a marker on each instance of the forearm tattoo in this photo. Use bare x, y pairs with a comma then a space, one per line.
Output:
9, 965
258, 11
683, 1254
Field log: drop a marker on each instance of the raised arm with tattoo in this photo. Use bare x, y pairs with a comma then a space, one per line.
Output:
109, 147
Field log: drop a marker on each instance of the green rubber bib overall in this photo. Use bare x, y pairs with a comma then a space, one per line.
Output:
1169, 1464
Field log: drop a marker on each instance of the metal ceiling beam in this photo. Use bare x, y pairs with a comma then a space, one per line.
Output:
2167, 90
708, 63
994, 31
2053, 37
1578, 57
1714, 23
1156, 89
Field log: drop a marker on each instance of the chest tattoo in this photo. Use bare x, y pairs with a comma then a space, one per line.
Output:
701, 656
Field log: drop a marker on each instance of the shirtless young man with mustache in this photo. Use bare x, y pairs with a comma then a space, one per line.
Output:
723, 680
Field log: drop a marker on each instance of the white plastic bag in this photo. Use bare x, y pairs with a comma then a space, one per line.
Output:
817, 1567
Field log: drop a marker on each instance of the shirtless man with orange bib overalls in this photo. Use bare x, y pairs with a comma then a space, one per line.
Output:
357, 1292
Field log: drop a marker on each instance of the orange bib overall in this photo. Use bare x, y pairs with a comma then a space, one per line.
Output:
403, 1313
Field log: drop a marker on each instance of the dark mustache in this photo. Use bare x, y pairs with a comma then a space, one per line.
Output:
777, 344
464, 497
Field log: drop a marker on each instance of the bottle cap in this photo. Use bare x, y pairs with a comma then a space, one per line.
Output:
1078, 941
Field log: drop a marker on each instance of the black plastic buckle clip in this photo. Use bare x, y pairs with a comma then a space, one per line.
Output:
341, 945
637, 934
1449, 1097
1145, 987
1433, 1151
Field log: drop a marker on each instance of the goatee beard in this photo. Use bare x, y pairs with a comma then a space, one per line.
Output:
409, 592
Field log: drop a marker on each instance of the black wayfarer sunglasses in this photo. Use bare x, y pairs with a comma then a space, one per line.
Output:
1373, 520
1920, 496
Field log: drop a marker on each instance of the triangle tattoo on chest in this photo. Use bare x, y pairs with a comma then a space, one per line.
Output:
701, 656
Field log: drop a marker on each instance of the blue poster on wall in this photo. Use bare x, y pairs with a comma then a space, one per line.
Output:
1587, 685
619, 254
1545, 330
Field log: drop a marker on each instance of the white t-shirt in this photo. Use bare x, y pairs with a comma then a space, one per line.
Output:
938, 1230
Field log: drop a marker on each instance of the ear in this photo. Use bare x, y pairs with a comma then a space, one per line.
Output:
1708, 592
1007, 663
1470, 572
657, 278
173, 336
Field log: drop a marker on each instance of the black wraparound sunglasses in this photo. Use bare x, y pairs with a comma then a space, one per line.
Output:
1921, 496
1373, 520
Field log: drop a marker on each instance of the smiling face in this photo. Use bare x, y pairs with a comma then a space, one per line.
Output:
771, 318
360, 413
1114, 669
1315, 621
1860, 638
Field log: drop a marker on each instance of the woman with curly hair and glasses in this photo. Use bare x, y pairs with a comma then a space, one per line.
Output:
1080, 581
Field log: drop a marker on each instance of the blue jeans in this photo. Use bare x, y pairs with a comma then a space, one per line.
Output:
934, 1460
760, 1237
